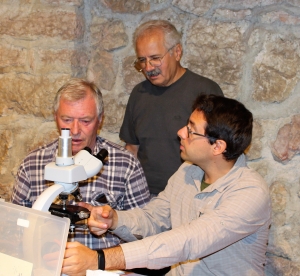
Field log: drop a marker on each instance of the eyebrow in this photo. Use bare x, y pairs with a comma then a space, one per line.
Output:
155, 55
191, 122
81, 118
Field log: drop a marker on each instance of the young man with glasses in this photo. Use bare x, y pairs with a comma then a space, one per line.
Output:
214, 215
161, 104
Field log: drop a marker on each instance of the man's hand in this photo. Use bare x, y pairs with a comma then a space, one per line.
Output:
101, 218
79, 258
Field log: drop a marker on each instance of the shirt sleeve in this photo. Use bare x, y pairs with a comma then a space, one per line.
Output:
241, 213
21, 189
150, 220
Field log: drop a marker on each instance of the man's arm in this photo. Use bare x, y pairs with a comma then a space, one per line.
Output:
132, 148
78, 258
21, 188
114, 258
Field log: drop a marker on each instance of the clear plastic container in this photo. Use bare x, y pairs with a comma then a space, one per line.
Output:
26, 237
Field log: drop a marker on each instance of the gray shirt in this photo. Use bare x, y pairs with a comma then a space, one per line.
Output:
153, 116
222, 230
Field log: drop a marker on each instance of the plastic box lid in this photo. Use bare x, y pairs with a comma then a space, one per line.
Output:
26, 235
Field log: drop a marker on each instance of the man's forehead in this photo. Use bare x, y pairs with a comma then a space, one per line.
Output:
151, 43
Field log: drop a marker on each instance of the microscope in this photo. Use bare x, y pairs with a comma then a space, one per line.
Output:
30, 234
66, 172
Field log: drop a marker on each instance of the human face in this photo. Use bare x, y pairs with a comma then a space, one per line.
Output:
195, 148
152, 45
82, 120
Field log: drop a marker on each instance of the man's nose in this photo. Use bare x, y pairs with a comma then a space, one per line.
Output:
75, 127
148, 66
182, 133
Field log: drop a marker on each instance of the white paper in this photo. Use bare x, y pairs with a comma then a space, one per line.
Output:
14, 267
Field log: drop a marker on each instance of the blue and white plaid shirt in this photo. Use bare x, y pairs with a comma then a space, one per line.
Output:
121, 181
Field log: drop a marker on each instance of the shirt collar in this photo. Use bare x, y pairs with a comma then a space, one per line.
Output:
221, 184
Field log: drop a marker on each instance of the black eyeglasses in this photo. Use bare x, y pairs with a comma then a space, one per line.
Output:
189, 131
140, 63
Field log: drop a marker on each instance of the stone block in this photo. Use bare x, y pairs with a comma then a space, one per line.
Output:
66, 25
275, 70
287, 142
216, 51
280, 197
61, 61
12, 56
29, 95
198, 7
108, 35
19, 136
246, 3
127, 6
101, 70
281, 17
113, 113
232, 14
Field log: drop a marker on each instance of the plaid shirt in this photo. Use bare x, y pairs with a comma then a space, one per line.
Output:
121, 181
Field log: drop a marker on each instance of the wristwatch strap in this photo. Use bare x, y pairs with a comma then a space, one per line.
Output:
101, 259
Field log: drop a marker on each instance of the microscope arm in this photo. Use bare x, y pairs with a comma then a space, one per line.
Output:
45, 200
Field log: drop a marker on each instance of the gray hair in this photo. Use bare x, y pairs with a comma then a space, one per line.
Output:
75, 90
171, 35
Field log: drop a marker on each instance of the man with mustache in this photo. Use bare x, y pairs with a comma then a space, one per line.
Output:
121, 183
161, 104
212, 218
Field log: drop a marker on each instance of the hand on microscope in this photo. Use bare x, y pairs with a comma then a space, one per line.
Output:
101, 218
78, 259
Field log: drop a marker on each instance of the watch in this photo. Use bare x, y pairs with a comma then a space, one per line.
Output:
101, 259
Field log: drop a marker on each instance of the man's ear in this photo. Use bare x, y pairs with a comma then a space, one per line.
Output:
178, 52
100, 119
219, 147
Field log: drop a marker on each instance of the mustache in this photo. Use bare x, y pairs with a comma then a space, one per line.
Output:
154, 72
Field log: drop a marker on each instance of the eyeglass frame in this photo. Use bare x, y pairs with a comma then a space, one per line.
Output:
149, 61
189, 131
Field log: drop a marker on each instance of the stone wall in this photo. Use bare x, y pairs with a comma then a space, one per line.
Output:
250, 47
